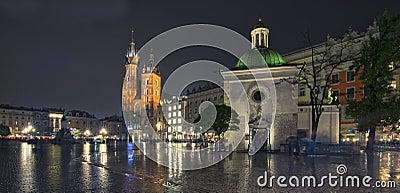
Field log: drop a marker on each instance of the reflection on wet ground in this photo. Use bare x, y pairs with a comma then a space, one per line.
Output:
117, 167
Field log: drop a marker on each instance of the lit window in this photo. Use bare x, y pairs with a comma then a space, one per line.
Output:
393, 84
350, 93
156, 82
179, 121
350, 76
169, 108
174, 114
173, 121
169, 115
174, 107
179, 113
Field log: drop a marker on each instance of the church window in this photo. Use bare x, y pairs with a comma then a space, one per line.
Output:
258, 96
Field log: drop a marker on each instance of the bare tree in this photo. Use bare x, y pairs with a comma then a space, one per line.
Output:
316, 74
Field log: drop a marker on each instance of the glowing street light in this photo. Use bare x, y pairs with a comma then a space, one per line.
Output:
87, 132
103, 132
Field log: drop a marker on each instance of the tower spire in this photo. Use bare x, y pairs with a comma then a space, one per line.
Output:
131, 55
151, 58
132, 36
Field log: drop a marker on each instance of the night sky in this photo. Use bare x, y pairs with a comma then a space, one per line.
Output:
70, 54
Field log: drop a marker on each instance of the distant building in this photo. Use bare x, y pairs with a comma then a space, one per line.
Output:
22, 120
174, 110
115, 127
195, 97
82, 121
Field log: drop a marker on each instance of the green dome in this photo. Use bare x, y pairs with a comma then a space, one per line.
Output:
252, 59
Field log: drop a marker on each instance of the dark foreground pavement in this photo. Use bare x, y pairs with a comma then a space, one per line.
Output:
116, 167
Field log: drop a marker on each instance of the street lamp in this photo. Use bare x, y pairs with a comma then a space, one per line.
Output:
103, 132
87, 134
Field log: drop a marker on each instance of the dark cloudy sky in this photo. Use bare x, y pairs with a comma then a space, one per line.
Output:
70, 54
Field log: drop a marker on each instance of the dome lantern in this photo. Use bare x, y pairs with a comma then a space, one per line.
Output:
259, 35
260, 55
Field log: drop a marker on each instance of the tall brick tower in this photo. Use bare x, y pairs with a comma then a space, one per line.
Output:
151, 89
131, 100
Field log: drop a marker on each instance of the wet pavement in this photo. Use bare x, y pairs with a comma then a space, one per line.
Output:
116, 167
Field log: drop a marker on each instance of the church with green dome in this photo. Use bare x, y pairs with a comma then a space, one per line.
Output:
272, 108
260, 55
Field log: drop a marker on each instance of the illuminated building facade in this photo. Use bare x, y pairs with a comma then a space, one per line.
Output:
22, 120
82, 121
115, 127
174, 110
140, 92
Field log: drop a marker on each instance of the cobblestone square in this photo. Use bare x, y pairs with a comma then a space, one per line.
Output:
116, 167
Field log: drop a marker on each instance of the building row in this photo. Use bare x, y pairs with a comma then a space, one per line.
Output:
48, 121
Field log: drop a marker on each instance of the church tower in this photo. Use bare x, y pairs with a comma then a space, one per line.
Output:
130, 95
151, 89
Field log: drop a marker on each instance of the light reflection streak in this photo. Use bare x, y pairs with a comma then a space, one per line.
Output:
27, 166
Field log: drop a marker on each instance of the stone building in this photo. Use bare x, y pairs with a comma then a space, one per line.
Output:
22, 120
115, 127
256, 61
82, 121
195, 97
